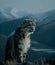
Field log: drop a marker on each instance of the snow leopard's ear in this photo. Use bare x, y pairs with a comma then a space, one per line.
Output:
24, 23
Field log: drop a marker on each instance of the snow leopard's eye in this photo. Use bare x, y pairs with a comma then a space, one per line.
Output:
24, 56
20, 56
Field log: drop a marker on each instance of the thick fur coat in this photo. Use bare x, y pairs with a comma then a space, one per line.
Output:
18, 43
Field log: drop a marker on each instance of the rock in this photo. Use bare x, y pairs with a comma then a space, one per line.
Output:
29, 63
2, 63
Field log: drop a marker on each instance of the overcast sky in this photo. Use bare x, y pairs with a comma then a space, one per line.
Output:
31, 6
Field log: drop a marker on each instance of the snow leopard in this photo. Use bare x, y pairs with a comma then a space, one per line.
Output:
19, 42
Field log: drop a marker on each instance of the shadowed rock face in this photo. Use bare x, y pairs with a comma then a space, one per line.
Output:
27, 63
3, 40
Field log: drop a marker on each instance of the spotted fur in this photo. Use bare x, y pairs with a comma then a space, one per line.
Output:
18, 43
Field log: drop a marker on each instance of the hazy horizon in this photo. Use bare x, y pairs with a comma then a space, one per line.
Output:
30, 6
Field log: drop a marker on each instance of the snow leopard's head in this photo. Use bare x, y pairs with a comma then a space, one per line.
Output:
29, 24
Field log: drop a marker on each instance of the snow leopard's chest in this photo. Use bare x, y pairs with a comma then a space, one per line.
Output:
24, 44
